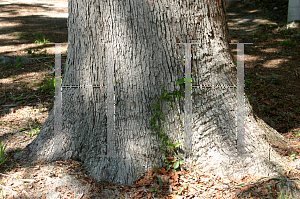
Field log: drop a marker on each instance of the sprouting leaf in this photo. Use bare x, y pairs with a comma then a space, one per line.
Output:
176, 165
170, 146
153, 189
185, 186
177, 144
180, 190
181, 161
160, 181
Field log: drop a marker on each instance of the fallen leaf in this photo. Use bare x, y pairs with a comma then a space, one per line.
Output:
138, 195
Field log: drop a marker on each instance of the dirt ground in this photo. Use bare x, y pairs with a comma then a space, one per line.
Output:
272, 74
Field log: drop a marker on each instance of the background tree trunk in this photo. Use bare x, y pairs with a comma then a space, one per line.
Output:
146, 58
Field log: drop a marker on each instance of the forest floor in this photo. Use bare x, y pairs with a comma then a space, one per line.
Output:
272, 74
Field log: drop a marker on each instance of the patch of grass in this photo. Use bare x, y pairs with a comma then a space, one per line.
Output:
20, 35
10, 65
285, 196
13, 76
33, 131
267, 36
19, 60
43, 53
2, 153
40, 39
20, 98
287, 43
47, 84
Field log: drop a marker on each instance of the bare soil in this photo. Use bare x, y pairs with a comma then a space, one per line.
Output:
272, 74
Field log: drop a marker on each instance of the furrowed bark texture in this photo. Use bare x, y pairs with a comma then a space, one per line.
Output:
147, 58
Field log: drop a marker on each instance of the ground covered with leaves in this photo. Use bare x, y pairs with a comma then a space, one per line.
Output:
272, 74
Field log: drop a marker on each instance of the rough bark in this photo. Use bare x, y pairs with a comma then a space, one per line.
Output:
147, 57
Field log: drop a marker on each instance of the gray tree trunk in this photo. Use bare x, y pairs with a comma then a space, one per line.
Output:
146, 58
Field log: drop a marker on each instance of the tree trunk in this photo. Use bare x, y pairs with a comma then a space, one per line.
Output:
147, 58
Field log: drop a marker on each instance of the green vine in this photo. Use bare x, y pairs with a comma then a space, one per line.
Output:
156, 126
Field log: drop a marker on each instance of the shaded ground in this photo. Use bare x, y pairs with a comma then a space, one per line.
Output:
26, 96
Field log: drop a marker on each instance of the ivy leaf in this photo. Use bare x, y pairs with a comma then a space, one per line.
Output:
168, 96
157, 127
180, 81
161, 117
176, 165
160, 97
155, 106
162, 134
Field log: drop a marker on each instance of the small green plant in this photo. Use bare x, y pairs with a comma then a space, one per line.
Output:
250, 97
278, 118
9, 65
47, 84
284, 196
248, 82
287, 43
18, 149
40, 108
32, 52
43, 53
20, 35
293, 156
40, 39
2, 153
154, 190
160, 181
269, 189
13, 76
3, 193
156, 127
33, 131
182, 188
20, 98
19, 61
